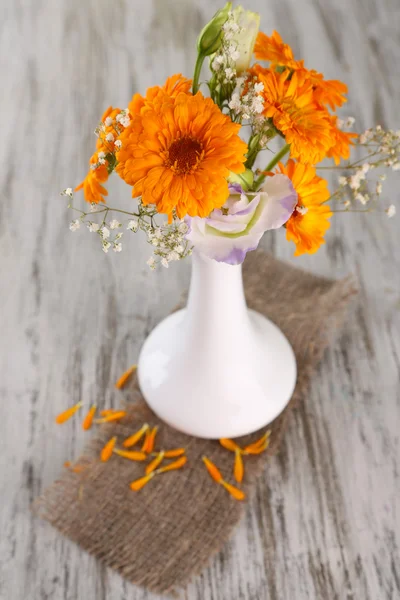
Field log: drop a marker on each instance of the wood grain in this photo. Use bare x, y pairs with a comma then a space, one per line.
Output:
325, 521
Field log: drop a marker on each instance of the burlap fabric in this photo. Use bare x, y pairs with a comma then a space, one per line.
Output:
164, 534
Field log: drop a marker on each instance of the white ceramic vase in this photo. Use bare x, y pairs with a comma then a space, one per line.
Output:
216, 369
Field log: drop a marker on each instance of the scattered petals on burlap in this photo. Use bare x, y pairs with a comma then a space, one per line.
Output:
107, 451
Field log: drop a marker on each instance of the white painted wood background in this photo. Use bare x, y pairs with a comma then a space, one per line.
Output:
325, 520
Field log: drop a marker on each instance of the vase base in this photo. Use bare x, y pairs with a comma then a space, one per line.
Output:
206, 395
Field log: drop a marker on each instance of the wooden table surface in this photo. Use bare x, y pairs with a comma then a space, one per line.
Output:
324, 523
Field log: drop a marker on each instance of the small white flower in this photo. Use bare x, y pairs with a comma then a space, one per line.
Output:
105, 246
391, 211
101, 154
183, 228
93, 207
109, 137
133, 225
74, 225
229, 73
114, 224
151, 262
154, 242
164, 263
108, 122
117, 247
347, 203
342, 180
350, 122
396, 166
361, 198
235, 103
105, 233
173, 256
93, 227
365, 168
258, 104
118, 144
158, 233
258, 87
179, 248
68, 192
125, 121
379, 188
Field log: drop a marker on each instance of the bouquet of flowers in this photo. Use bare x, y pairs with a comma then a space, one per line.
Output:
194, 179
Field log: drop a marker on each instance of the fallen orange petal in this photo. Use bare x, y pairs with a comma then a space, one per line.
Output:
133, 439
151, 439
67, 464
238, 469
131, 454
256, 449
234, 491
212, 469
106, 411
111, 417
125, 376
88, 420
174, 452
146, 439
259, 442
67, 414
139, 483
154, 463
177, 464
107, 451
228, 444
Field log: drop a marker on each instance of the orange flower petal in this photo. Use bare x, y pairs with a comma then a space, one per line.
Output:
115, 416
257, 449
238, 469
154, 463
177, 464
88, 420
67, 464
263, 439
107, 411
173, 453
146, 439
228, 444
107, 451
67, 414
139, 483
149, 442
133, 439
122, 381
234, 491
131, 454
212, 469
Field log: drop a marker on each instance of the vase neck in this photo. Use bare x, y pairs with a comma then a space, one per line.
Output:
216, 291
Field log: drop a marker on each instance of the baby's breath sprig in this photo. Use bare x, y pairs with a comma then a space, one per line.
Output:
167, 239
361, 183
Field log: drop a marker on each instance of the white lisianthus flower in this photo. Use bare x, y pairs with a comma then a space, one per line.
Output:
229, 233
245, 37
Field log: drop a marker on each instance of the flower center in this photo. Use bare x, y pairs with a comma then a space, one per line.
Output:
184, 154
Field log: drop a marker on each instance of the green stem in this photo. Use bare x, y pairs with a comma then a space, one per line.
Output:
278, 156
197, 71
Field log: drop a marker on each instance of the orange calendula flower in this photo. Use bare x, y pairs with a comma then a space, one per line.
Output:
238, 469
88, 420
274, 50
136, 437
139, 483
107, 451
342, 142
130, 454
114, 416
154, 463
178, 152
310, 219
67, 414
289, 103
122, 381
172, 87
